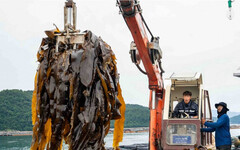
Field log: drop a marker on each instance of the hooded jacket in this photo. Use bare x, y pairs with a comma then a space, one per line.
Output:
222, 130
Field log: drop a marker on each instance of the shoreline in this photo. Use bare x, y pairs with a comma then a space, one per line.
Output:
126, 130
16, 133
235, 126
132, 130
29, 133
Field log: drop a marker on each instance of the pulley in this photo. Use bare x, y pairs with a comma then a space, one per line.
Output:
155, 50
155, 53
134, 54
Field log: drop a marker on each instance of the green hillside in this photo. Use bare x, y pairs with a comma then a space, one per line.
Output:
235, 119
15, 112
136, 116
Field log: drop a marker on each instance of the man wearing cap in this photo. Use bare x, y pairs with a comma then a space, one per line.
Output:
221, 127
186, 108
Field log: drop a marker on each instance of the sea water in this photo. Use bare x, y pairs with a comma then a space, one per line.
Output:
24, 142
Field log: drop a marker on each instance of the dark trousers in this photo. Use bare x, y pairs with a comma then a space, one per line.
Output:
224, 147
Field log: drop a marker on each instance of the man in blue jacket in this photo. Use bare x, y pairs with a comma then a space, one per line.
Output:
186, 108
221, 127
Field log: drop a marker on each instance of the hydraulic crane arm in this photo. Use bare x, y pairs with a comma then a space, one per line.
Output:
131, 12
150, 54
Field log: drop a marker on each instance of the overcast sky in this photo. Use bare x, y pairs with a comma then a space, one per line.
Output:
195, 36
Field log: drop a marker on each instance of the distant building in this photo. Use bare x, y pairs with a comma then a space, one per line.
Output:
237, 74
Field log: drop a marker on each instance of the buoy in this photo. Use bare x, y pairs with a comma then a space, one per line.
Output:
230, 9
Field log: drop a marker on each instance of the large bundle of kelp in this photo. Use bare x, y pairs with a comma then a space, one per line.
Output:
76, 94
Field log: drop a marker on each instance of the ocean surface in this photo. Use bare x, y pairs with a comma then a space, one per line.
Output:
24, 142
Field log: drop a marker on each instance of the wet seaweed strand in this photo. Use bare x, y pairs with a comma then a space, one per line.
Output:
76, 94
